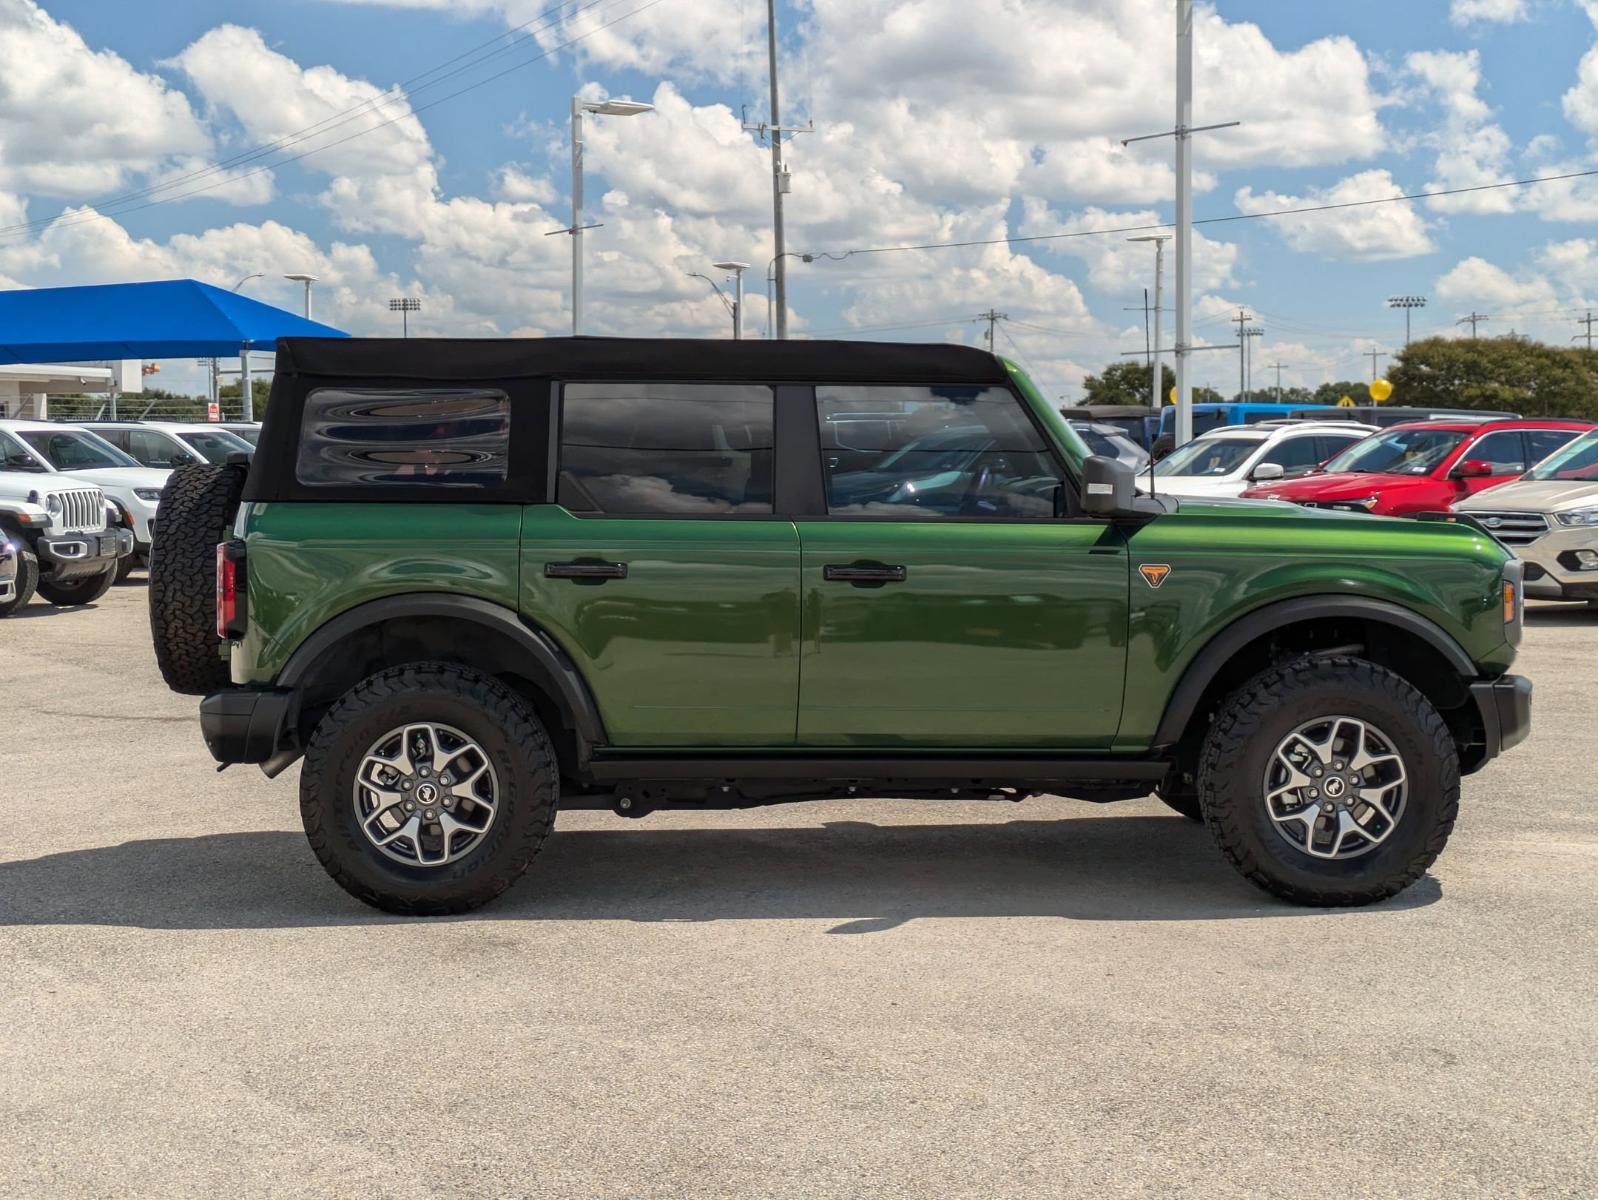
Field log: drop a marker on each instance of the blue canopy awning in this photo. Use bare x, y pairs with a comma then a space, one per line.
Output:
172, 318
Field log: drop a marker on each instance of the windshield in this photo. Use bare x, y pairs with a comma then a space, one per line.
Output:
1574, 460
214, 445
251, 434
74, 449
1399, 452
1208, 457
946, 450
1098, 442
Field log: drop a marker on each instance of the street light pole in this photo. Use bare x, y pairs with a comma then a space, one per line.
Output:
246, 279
307, 280
405, 306
1159, 240
737, 269
604, 108
1408, 304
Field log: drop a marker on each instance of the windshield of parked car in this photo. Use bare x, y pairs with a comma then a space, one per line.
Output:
1574, 460
75, 450
1099, 443
1208, 457
947, 450
214, 445
251, 434
1398, 452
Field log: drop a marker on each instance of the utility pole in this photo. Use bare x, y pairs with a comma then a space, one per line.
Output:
781, 179
1184, 213
1472, 321
992, 318
1373, 355
1242, 319
1277, 367
1588, 322
1253, 331
1407, 303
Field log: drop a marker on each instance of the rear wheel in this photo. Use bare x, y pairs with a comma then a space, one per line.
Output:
27, 581
428, 789
1329, 782
196, 509
85, 589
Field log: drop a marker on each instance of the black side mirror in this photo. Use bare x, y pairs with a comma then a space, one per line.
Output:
1109, 490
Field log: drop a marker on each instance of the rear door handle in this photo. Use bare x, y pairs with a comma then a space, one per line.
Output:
862, 573
599, 571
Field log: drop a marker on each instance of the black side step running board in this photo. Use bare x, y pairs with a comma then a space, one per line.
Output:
1011, 770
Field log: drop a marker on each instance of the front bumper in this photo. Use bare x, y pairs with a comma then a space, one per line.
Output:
1552, 569
1504, 706
70, 555
245, 725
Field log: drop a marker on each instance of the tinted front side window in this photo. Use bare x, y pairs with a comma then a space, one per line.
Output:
1295, 454
1505, 452
664, 449
431, 437
932, 452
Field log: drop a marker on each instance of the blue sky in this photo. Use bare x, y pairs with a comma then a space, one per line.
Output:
937, 120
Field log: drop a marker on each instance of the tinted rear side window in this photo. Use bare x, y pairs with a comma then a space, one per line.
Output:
659, 449
435, 437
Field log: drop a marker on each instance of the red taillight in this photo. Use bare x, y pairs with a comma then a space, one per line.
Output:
227, 591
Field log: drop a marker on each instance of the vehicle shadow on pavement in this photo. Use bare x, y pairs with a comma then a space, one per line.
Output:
1561, 614
870, 877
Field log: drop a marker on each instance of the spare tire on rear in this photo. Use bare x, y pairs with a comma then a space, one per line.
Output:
196, 510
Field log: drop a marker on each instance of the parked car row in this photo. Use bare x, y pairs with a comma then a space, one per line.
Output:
78, 511
1530, 483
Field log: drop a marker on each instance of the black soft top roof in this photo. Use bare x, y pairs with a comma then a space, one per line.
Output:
464, 359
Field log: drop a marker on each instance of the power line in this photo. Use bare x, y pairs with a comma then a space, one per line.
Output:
96, 215
839, 255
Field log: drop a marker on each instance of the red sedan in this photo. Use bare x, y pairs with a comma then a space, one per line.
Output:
1426, 466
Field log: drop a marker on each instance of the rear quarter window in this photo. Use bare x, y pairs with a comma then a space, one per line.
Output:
409, 437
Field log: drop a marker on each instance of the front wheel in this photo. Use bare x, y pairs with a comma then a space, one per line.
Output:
85, 589
428, 788
27, 581
1329, 782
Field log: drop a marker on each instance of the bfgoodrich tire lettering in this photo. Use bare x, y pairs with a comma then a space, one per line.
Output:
1244, 737
197, 506
484, 711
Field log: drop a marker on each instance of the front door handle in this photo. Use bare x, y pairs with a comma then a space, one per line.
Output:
585, 571
862, 573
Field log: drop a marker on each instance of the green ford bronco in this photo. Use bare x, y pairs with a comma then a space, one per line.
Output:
472, 581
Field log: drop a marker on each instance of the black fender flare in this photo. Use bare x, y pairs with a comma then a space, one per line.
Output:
1207, 663
544, 660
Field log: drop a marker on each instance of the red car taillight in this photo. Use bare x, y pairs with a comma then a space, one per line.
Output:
230, 590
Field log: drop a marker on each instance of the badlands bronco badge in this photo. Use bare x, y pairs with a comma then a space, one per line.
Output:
1154, 573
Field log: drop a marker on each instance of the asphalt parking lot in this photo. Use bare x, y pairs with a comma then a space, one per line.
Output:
864, 999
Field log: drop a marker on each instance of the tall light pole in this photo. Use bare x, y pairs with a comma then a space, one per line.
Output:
737, 269
603, 108
1183, 133
1407, 303
405, 306
771, 267
307, 280
1159, 240
732, 309
779, 178
246, 279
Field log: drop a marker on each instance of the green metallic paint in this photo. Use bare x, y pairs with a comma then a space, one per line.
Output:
698, 646
1004, 634
1230, 558
1001, 635
307, 563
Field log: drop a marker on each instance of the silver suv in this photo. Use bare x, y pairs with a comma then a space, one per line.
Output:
1549, 518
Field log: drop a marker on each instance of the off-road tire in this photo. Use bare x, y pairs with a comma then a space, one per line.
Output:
85, 589
197, 507
501, 722
27, 581
1245, 733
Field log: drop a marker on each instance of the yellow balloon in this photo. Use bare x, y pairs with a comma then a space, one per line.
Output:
1380, 390
1173, 396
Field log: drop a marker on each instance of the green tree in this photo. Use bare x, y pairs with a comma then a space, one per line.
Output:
1331, 393
260, 391
1126, 382
1513, 374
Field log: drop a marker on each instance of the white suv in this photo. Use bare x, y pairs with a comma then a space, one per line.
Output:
74, 455
1226, 461
167, 444
1549, 518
